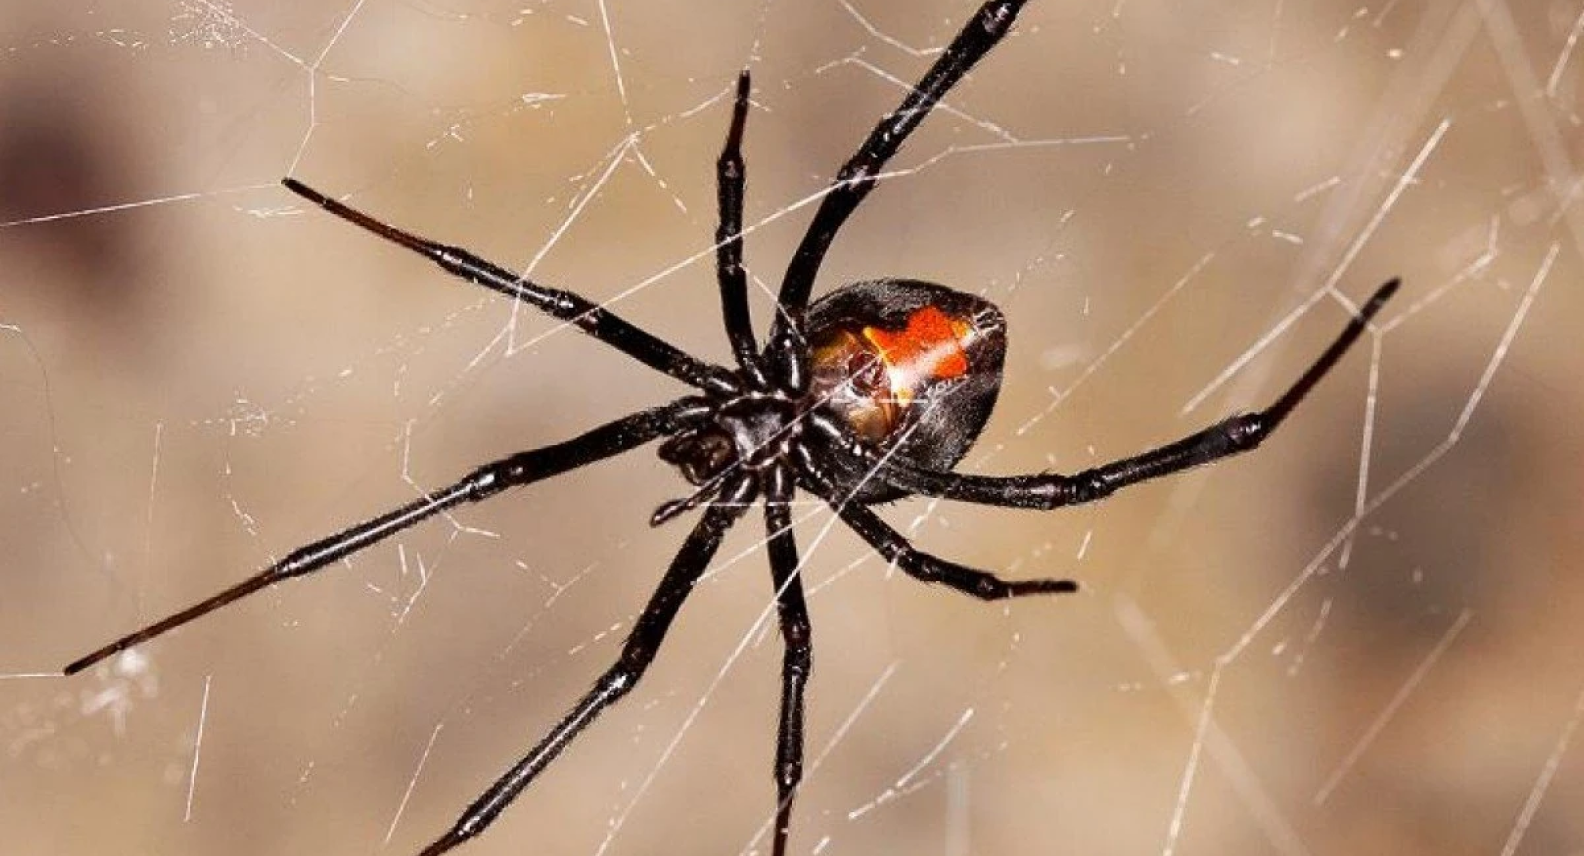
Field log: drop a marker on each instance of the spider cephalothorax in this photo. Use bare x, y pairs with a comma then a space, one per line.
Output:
745, 433
873, 393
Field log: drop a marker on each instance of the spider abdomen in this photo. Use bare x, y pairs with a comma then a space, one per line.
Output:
909, 366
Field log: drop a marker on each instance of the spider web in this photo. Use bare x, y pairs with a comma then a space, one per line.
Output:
1357, 639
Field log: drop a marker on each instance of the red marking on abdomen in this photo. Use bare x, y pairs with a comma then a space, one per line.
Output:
931, 346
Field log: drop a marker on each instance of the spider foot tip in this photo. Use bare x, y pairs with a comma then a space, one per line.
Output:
1381, 295
1038, 587
669, 511
444, 843
303, 190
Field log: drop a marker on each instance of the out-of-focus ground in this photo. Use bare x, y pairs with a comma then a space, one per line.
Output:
1290, 653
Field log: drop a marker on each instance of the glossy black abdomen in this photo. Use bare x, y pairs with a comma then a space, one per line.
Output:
910, 367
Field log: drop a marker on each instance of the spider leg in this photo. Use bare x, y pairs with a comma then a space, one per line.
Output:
895, 547
492, 478
730, 174
574, 309
673, 508
797, 663
858, 176
1232, 435
637, 653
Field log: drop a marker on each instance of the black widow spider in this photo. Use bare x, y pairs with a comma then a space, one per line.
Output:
871, 394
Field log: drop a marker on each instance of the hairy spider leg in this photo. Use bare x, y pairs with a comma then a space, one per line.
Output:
931, 569
858, 176
579, 311
797, 661
637, 653
730, 176
922, 566
519, 469
1233, 435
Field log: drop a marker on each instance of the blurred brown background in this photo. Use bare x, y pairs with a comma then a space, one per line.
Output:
199, 375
